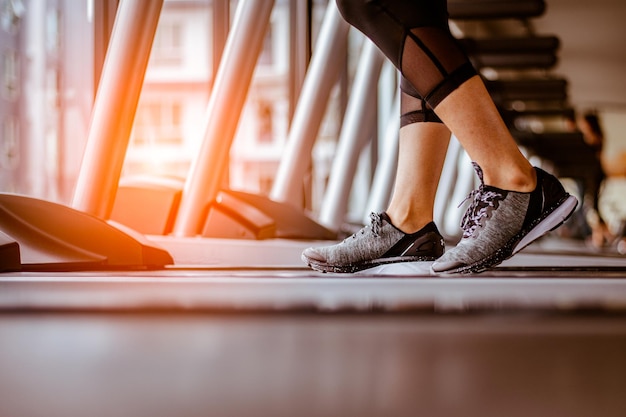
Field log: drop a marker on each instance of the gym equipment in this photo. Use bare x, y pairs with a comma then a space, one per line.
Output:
9, 253
148, 204
499, 9
53, 237
514, 53
236, 214
541, 89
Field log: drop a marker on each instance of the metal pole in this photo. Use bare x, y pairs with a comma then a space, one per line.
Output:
299, 48
299, 57
357, 128
103, 20
326, 63
221, 26
232, 81
115, 105
34, 60
384, 178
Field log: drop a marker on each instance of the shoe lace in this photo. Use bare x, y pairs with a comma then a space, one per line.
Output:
376, 225
483, 203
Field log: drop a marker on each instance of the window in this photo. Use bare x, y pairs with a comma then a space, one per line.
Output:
159, 123
264, 117
10, 75
267, 53
11, 13
167, 49
9, 149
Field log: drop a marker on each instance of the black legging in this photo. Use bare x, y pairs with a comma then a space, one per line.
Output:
415, 36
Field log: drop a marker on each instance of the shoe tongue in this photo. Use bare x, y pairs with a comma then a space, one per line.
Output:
479, 172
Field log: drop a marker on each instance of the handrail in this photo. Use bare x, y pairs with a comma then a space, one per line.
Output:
232, 81
499, 9
358, 127
323, 72
115, 105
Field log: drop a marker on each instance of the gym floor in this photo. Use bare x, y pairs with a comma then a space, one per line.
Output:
542, 335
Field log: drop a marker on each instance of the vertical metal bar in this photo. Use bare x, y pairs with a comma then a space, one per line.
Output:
244, 44
447, 182
221, 26
104, 17
299, 57
115, 105
326, 63
34, 99
384, 177
387, 97
386, 157
355, 131
457, 180
299, 48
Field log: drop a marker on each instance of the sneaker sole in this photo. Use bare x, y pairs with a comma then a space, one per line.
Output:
555, 219
399, 269
351, 268
550, 221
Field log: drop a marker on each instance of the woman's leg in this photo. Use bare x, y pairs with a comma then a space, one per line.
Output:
405, 231
515, 203
471, 115
422, 152
415, 36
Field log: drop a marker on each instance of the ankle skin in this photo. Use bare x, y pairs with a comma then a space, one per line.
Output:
523, 180
406, 221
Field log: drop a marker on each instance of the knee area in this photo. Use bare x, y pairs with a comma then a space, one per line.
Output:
352, 10
405, 14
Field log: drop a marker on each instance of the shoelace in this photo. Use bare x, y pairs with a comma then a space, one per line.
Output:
484, 202
376, 225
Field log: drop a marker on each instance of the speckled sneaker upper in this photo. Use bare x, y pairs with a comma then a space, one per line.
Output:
376, 244
499, 223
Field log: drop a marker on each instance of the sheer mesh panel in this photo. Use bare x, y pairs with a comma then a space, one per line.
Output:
415, 36
413, 108
429, 59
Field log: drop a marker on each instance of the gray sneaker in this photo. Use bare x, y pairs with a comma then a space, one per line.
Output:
376, 244
500, 223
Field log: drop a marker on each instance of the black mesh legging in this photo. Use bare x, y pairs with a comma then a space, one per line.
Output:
415, 36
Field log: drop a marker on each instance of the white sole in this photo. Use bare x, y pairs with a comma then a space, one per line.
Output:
554, 220
418, 268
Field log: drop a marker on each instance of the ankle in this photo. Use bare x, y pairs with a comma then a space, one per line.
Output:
407, 222
519, 180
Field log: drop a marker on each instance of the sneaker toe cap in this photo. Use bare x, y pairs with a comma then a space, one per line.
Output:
445, 266
311, 254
